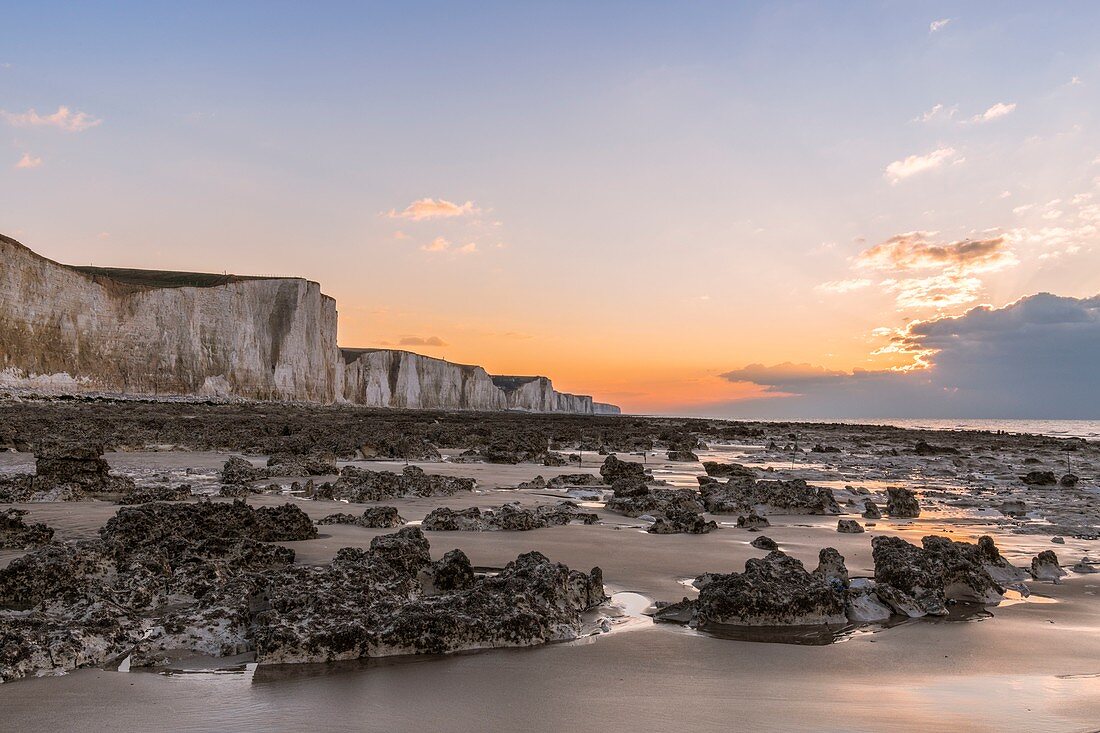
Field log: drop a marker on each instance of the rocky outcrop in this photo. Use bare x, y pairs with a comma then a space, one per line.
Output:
65, 472
375, 517
509, 518
743, 495
16, 534
166, 582
359, 485
902, 503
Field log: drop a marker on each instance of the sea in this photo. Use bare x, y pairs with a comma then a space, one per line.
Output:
1087, 429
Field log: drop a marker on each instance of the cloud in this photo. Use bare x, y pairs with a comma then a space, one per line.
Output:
938, 25
915, 251
439, 244
844, 286
400, 235
1000, 109
63, 119
433, 209
467, 249
421, 341
29, 161
1032, 358
937, 112
915, 164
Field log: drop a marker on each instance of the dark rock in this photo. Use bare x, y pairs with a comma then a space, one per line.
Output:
763, 542
509, 518
613, 469
15, 534
145, 494
1069, 480
360, 485
849, 526
682, 523
902, 503
634, 500
295, 465
753, 522
238, 471
871, 510
769, 497
375, 517
918, 581
773, 591
1045, 566
1039, 478
923, 448
728, 470
683, 456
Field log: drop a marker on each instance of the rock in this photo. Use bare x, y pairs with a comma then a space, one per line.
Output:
64, 472
1069, 480
375, 517
634, 500
1014, 508
509, 517
613, 469
849, 526
574, 479
15, 534
1058, 540
831, 568
862, 604
538, 482
753, 522
819, 448
917, 581
871, 510
773, 591
1084, 566
237, 491
1039, 478
1044, 566
145, 494
238, 471
360, 485
682, 523
902, 503
923, 448
300, 466
997, 566
768, 497
763, 542
728, 470
682, 456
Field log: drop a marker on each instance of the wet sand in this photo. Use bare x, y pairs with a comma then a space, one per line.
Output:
1027, 666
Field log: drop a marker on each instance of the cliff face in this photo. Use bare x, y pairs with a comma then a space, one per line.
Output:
65, 329
388, 378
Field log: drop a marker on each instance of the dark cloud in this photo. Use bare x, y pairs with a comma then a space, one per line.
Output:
1038, 357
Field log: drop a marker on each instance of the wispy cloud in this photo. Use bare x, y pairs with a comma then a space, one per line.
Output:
844, 286
916, 164
938, 112
63, 119
421, 341
433, 209
997, 111
29, 161
439, 244
938, 25
915, 251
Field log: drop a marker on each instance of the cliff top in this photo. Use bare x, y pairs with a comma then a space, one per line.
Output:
511, 383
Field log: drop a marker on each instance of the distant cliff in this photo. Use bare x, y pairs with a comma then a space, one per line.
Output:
70, 330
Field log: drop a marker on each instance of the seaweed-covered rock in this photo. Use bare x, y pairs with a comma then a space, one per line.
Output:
996, 565
773, 591
298, 465
146, 494
238, 471
849, 526
614, 468
871, 510
753, 522
16, 534
1039, 478
634, 500
1068, 480
918, 581
375, 517
682, 523
509, 517
768, 497
901, 503
763, 542
1045, 566
64, 472
360, 485
728, 470
681, 456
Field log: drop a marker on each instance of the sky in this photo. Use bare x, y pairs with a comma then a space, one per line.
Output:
804, 209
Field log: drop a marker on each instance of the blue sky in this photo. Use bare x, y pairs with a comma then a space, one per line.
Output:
661, 192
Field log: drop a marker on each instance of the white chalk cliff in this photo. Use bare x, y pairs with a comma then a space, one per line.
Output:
70, 330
